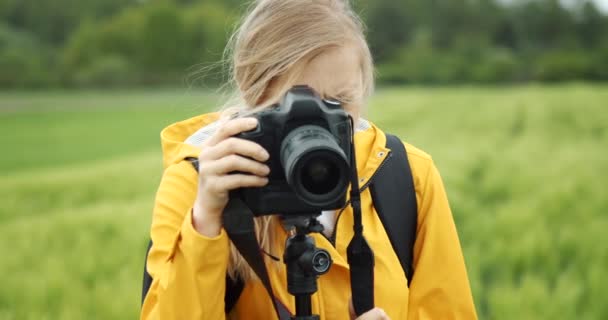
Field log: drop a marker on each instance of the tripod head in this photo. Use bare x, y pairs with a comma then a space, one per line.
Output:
305, 262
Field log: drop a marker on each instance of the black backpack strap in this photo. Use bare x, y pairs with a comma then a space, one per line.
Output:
233, 292
147, 282
394, 198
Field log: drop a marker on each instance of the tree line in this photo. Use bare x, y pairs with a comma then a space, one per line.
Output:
163, 42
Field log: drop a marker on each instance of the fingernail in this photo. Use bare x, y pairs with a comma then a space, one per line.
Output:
252, 121
264, 155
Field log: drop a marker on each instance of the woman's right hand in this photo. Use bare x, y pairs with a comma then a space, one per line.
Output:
374, 314
221, 154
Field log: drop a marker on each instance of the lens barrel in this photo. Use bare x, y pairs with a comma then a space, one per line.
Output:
315, 166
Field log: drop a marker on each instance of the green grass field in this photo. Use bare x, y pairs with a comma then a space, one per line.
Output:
525, 169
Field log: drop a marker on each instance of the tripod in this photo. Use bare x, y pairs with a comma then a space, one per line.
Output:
305, 263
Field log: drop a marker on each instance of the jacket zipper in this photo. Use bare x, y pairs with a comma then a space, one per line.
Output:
332, 239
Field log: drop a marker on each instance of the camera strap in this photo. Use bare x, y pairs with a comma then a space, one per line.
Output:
360, 254
239, 225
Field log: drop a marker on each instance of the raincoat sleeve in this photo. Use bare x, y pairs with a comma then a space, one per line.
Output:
188, 269
440, 286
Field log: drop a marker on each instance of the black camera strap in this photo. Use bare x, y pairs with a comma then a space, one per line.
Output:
239, 225
360, 254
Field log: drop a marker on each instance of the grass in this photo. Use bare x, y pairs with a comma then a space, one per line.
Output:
524, 167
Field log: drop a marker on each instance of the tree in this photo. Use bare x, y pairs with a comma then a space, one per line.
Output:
389, 27
592, 27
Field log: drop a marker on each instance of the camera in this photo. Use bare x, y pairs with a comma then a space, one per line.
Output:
309, 142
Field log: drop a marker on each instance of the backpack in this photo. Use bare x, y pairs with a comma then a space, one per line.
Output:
393, 197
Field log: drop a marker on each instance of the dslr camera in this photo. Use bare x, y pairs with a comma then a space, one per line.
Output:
309, 142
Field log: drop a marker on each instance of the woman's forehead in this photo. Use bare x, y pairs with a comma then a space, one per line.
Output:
335, 72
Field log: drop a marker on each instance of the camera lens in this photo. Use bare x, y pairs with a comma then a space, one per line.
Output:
319, 176
315, 166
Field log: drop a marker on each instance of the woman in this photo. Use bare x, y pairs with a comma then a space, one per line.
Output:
282, 43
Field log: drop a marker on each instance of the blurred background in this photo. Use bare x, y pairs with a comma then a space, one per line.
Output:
509, 97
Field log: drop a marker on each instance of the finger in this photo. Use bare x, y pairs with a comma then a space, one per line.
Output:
235, 146
374, 314
230, 128
237, 163
235, 181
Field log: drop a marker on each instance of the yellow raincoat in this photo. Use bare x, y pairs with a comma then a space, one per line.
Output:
189, 270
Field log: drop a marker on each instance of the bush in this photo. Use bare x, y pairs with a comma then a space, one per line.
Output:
564, 65
161, 44
495, 65
107, 71
117, 37
157, 42
599, 64
417, 62
207, 26
470, 61
24, 61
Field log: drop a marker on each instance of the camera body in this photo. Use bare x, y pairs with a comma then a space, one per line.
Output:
309, 142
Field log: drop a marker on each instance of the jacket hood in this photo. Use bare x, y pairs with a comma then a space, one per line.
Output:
173, 138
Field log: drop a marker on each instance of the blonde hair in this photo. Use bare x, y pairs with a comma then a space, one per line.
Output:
275, 39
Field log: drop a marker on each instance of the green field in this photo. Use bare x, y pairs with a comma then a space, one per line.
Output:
525, 169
